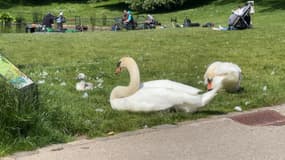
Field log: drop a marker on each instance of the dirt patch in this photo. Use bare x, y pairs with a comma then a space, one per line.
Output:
260, 118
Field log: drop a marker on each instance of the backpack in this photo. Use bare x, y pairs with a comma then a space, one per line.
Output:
187, 22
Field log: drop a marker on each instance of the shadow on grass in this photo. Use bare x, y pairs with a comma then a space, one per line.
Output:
119, 5
270, 4
209, 112
114, 6
273, 5
7, 5
188, 5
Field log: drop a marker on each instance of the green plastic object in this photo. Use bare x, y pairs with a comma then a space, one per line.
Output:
49, 30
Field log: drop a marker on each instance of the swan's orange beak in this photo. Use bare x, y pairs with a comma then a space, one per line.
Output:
209, 86
118, 70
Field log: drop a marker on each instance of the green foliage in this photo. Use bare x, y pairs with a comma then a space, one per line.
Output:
6, 18
151, 5
94, 1
37, 17
19, 19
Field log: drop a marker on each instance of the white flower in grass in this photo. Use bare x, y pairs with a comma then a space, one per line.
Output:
87, 122
63, 84
272, 73
44, 74
264, 88
41, 81
56, 78
81, 76
99, 82
247, 103
99, 110
100, 86
238, 108
200, 82
85, 95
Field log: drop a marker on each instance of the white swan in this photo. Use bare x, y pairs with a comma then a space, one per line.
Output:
155, 95
229, 72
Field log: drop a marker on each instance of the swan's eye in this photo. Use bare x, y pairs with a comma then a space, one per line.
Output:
210, 80
119, 64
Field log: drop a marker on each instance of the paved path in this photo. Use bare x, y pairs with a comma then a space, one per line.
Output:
216, 138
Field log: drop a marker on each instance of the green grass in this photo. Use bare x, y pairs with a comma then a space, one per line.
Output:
178, 54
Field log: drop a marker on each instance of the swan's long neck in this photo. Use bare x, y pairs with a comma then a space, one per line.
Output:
125, 91
208, 96
134, 73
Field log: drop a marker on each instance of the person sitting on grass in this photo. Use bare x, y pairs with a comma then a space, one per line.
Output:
149, 22
129, 21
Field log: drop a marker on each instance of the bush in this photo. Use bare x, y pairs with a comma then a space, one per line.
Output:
6, 18
152, 5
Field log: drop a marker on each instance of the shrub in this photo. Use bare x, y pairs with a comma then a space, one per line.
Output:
151, 5
6, 18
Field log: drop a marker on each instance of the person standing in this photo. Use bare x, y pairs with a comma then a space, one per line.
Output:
48, 20
60, 19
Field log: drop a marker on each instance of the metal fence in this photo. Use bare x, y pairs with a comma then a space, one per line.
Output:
20, 23
94, 22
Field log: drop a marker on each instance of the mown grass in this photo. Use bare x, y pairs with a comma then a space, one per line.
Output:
178, 54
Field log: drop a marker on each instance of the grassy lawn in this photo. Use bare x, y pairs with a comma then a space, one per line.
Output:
178, 54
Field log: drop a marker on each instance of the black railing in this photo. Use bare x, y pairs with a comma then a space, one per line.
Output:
92, 23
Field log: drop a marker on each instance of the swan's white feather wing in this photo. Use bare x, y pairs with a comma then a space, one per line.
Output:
154, 99
168, 84
224, 68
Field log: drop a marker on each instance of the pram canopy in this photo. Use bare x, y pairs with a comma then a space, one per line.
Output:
240, 18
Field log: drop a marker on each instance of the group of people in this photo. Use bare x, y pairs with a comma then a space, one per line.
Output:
48, 20
130, 23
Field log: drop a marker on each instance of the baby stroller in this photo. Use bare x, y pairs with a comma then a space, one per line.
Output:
240, 18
